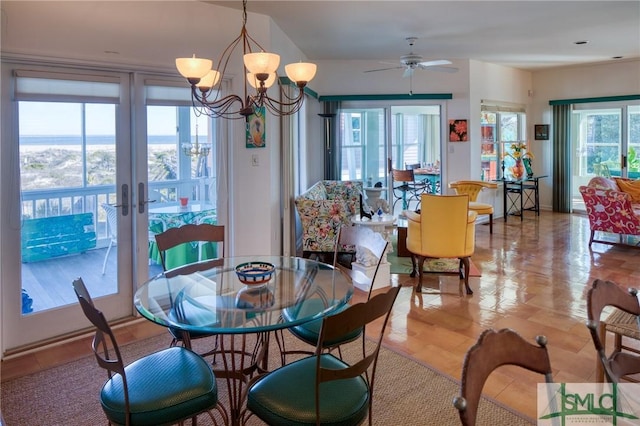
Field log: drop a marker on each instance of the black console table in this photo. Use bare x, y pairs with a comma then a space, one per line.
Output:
521, 195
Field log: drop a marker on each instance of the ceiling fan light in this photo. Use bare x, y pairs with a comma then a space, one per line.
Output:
193, 68
302, 72
209, 80
261, 62
255, 83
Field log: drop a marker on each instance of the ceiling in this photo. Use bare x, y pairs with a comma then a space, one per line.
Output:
523, 34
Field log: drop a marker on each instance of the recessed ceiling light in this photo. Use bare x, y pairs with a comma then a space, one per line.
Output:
581, 42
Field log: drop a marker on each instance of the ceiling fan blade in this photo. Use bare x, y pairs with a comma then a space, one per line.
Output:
434, 63
384, 69
440, 69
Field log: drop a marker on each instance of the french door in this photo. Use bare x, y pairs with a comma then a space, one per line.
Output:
66, 150
409, 135
605, 142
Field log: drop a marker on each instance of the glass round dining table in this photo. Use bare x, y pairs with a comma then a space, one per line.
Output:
209, 297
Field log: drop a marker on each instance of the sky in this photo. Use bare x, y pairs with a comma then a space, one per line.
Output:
56, 118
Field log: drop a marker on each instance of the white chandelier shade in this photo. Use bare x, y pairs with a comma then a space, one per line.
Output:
301, 72
255, 83
193, 68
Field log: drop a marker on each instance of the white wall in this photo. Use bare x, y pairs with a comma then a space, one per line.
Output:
494, 83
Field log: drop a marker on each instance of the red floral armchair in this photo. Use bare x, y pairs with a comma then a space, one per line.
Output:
609, 209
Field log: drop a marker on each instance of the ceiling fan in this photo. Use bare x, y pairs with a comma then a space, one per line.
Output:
411, 62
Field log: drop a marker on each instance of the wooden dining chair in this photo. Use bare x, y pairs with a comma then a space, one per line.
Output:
165, 387
492, 350
404, 187
623, 321
190, 233
322, 388
187, 234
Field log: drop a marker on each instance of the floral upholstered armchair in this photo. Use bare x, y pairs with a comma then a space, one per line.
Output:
323, 208
613, 206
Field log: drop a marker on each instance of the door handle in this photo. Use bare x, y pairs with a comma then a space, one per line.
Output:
141, 198
125, 200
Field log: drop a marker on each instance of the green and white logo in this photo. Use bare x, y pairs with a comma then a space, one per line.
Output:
588, 404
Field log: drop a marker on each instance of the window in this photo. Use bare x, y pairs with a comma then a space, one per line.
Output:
414, 139
181, 151
362, 144
500, 126
67, 137
55, 138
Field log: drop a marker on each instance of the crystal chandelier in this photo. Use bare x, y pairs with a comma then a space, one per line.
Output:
261, 72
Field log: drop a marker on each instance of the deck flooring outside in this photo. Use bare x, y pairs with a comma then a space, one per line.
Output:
48, 282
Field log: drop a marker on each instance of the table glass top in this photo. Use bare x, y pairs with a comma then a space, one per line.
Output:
176, 208
208, 296
385, 219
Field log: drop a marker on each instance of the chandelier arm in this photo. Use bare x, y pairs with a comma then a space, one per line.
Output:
219, 107
284, 108
300, 93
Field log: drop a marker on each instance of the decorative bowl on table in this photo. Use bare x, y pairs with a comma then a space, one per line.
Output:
255, 273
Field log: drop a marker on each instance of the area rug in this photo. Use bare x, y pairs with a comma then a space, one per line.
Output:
406, 392
402, 265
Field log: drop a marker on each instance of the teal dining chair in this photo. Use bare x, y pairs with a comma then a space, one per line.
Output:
372, 247
165, 387
322, 388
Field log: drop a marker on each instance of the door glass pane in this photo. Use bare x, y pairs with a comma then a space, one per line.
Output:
597, 147
633, 155
181, 179
489, 149
67, 171
499, 130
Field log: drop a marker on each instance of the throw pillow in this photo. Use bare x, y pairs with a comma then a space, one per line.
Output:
631, 187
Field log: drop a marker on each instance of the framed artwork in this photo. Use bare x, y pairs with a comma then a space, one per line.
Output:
255, 129
541, 132
458, 130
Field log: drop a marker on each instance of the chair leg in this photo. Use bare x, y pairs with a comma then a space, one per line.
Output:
465, 264
421, 260
599, 366
106, 257
491, 223
413, 266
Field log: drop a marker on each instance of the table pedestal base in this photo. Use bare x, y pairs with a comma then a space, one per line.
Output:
383, 278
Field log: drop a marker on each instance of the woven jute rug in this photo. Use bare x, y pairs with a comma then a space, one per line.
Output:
406, 392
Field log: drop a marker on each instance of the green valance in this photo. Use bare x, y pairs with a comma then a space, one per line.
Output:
401, 96
590, 100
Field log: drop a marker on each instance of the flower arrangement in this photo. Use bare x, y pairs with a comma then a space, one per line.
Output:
519, 151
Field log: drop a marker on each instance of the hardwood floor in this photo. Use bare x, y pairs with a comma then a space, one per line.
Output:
535, 275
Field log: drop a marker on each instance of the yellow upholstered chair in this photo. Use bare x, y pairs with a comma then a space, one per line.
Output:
444, 228
472, 188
